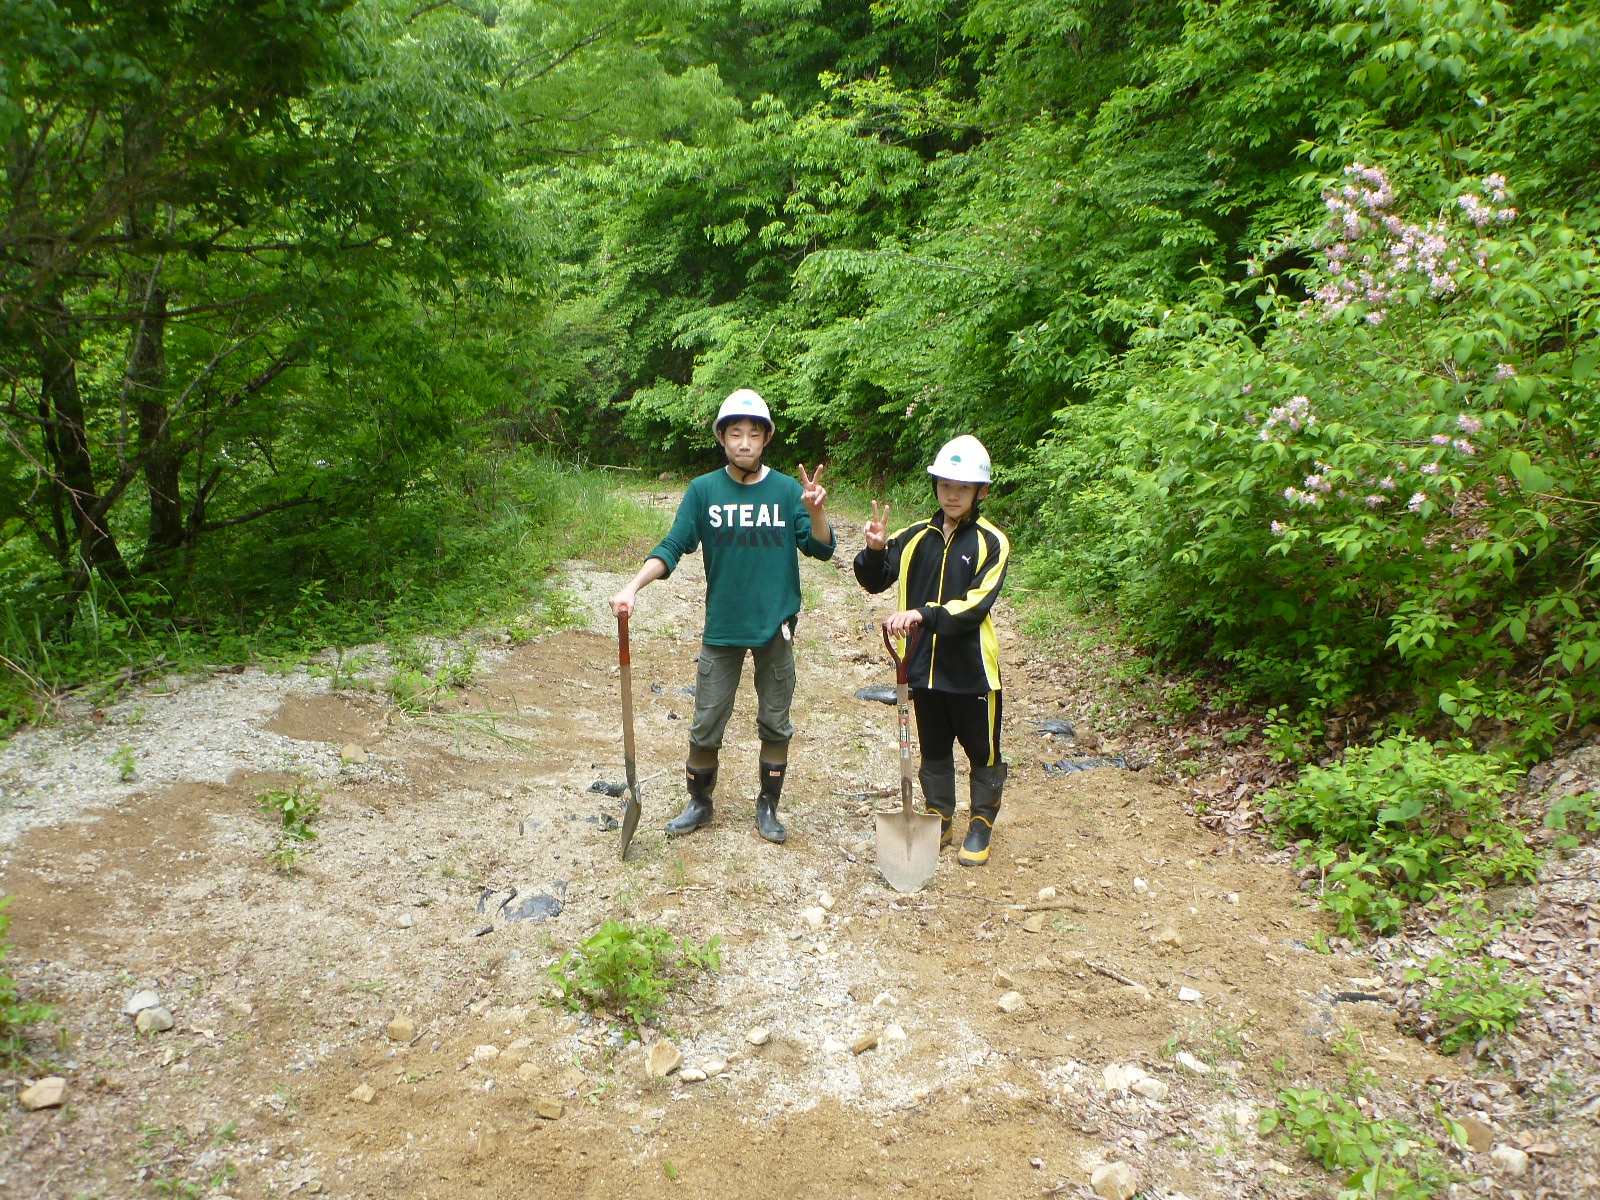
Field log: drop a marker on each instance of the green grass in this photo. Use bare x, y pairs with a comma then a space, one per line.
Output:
473, 544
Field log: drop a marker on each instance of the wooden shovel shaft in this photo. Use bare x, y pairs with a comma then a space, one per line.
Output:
902, 698
626, 666
630, 816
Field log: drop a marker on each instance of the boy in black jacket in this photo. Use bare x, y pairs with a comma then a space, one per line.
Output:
950, 568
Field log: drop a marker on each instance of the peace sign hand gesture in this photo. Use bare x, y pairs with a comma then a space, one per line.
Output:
877, 529
812, 494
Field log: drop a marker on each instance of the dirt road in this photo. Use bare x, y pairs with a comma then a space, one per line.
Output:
278, 1077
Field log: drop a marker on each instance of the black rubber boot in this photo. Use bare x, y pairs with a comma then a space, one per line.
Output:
699, 781
938, 779
987, 785
767, 824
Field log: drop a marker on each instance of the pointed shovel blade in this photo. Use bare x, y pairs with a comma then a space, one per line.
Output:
908, 848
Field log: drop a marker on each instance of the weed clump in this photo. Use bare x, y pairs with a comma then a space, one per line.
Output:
629, 971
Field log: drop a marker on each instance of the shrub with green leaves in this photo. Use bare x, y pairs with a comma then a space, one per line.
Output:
1378, 1156
1402, 822
1471, 998
292, 810
1570, 816
16, 1014
630, 970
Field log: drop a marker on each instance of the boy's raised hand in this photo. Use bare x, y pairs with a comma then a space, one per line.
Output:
877, 529
812, 493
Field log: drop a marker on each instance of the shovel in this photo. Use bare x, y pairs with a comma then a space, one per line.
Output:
908, 842
630, 814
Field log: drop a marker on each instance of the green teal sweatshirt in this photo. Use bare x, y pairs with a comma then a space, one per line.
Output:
753, 534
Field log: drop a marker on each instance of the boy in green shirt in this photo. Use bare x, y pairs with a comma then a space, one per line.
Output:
753, 524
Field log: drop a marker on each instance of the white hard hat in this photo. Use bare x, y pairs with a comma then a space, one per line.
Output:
963, 460
743, 403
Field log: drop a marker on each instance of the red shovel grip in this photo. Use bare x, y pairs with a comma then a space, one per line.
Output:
902, 666
622, 639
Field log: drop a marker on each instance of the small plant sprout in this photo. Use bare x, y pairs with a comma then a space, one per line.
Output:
292, 810
126, 761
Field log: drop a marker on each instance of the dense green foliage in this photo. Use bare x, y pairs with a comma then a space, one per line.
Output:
1279, 318
1402, 822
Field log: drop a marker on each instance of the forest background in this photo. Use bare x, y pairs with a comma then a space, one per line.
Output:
1280, 320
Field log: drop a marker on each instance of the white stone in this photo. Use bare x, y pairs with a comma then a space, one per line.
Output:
826, 900
1190, 1063
153, 1020
46, 1093
1233, 897
662, 1059
1151, 1088
1114, 1181
1140, 885
405, 921
352, 753
714, 1068
693, 1075
833, 1046
758, 1036
893, 1033
362, 1094
1189, 996
1509, 1160
485, 1054
1047, 893
1119, 1078
883, 998
814, 916
140, 1001
1012, 1002
1002, 979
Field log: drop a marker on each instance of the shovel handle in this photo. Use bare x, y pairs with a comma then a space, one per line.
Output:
626, 670
902, 666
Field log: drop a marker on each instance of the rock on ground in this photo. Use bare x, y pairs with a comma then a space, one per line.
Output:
47, 1093
662, 1059
1115, 1181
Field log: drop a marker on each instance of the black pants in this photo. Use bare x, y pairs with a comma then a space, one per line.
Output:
944, 718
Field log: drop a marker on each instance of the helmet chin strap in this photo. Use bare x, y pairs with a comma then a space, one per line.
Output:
741, 474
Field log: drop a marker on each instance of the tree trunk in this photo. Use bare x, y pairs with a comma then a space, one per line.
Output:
147, 373
69, 442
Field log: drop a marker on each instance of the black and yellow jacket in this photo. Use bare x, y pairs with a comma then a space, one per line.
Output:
953, 584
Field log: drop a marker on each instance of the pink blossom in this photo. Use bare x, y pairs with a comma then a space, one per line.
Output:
1465, 447
1279, 529
1429, 468
1505, 371
1495, 185
1373, 501
1387, 483
1416, 502
1375, 317
1440, 439
1468, 424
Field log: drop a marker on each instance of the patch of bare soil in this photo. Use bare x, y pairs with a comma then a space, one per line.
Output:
467, 852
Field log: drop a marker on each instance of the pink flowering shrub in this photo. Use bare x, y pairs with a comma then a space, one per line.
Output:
1390, 486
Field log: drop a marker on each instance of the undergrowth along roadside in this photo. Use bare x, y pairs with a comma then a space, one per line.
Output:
473, 542
16, 1014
